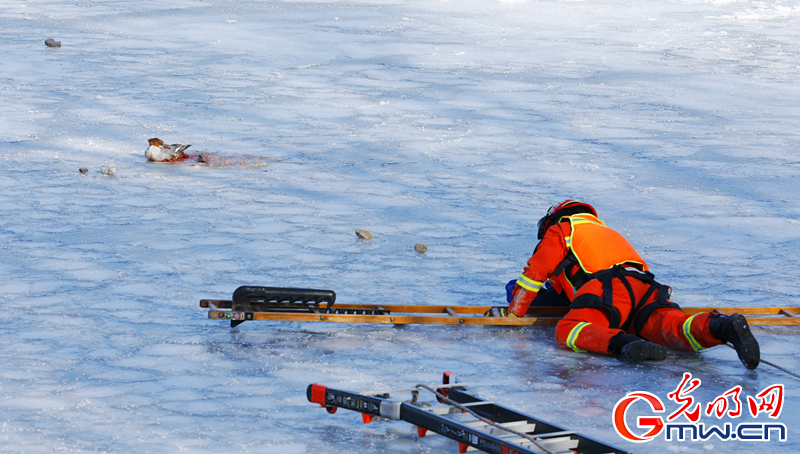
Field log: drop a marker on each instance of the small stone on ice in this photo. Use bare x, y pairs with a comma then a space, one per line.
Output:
52, 43
84, 170
421, 248
363, 234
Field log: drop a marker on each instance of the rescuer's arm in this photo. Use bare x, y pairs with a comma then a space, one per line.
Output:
546, 258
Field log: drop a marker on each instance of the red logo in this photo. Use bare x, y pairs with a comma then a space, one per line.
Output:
655, 423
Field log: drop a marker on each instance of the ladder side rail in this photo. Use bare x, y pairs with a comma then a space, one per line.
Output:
459, 431
336, 398
500, 414
220, 304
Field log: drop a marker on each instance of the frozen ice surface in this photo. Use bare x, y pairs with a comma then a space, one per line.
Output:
452, 123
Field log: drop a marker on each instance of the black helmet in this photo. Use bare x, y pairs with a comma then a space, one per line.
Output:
565, 208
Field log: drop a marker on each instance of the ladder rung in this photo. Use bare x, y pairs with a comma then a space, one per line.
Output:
511, 424
554, 444
546, 438
500, 432
565, 444
478, 404
518, 426
449, 410
564, 433
442, 410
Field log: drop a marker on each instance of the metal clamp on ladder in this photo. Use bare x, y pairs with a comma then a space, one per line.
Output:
476, 424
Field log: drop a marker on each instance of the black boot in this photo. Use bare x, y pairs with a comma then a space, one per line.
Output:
633, 348
734, 329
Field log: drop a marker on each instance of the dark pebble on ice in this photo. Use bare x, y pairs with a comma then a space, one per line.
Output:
84, 170
421, 248
52, 43
202, 157
363, 234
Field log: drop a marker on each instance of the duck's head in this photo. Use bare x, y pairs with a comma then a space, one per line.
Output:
156, 142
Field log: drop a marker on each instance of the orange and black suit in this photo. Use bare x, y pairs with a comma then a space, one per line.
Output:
610, 288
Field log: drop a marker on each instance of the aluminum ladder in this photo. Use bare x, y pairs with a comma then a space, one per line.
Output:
476, 424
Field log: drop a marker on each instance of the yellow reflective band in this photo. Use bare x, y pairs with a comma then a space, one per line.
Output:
687, 331
529, 284
568, 240
573, 336
584, 221
578, 219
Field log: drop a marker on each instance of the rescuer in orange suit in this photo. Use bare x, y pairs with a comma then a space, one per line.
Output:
616, 306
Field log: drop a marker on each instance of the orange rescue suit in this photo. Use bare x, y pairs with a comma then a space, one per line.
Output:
610, 288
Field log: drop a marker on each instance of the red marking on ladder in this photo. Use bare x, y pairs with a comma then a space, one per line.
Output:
445, 381
318, 394
366, 418
462, 448
421, 432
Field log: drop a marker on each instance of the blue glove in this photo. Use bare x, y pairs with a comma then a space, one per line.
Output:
510, 290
